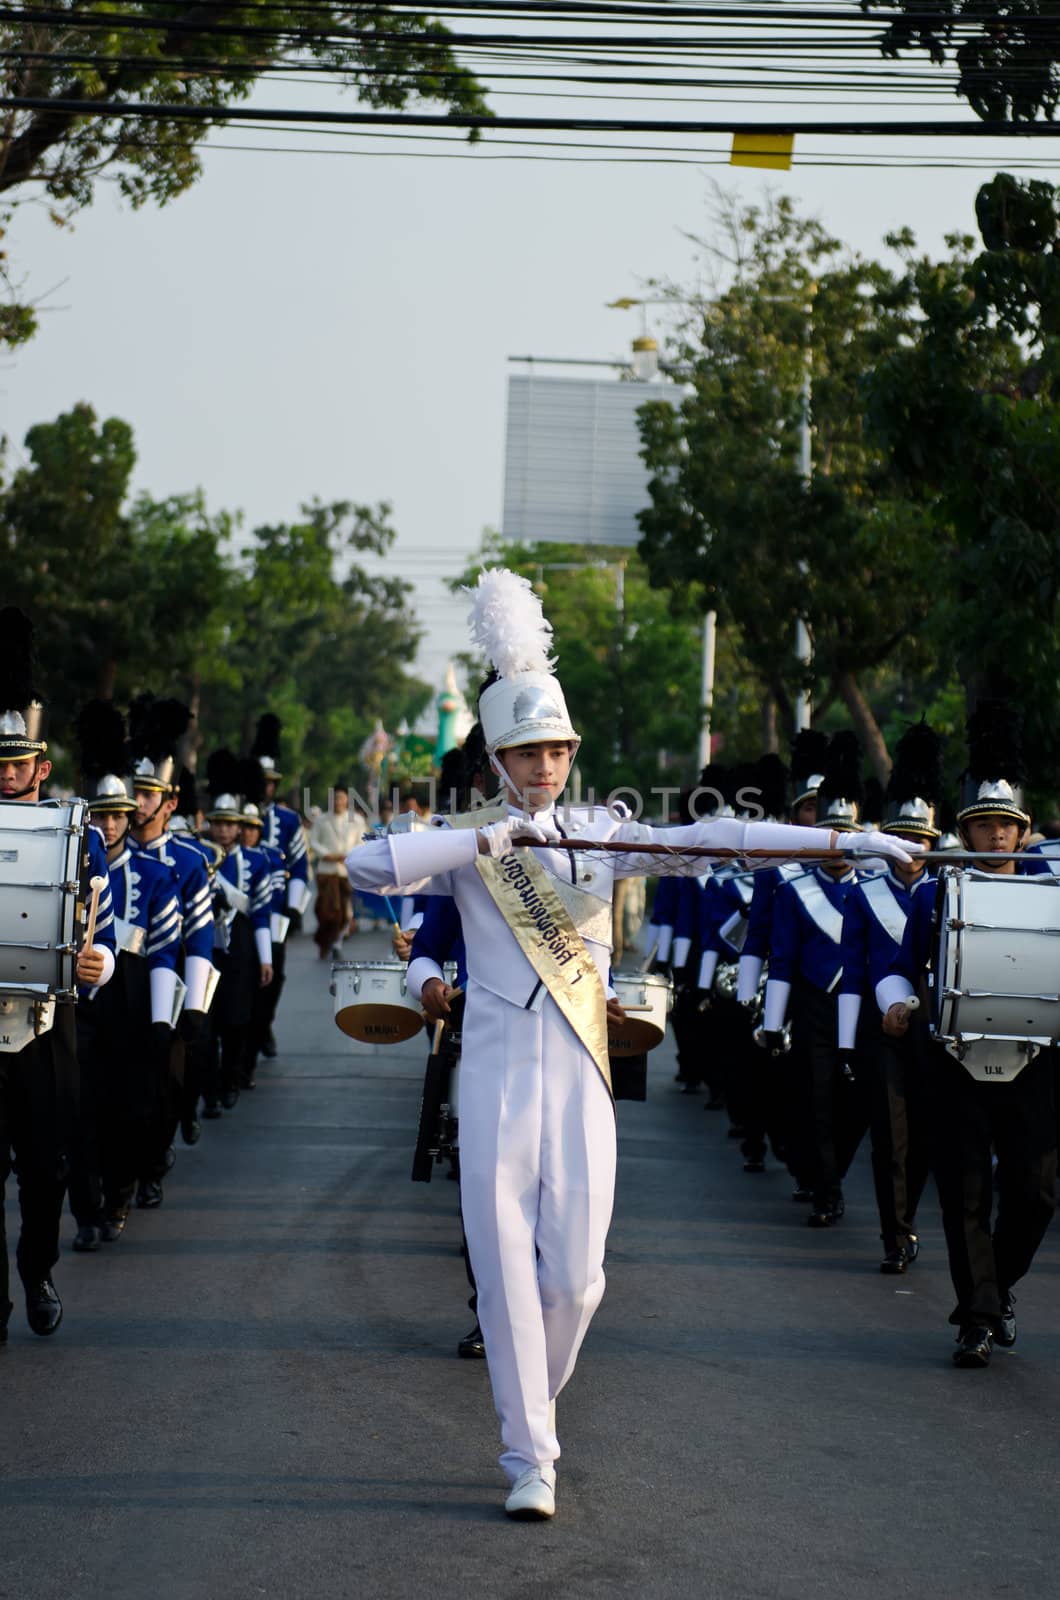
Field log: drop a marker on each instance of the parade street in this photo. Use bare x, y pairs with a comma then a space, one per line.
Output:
256, 1390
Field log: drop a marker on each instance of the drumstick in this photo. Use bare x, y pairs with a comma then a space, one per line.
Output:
96, 885
395, 919
912, 1004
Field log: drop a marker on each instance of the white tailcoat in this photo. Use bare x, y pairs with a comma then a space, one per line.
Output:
537, 1126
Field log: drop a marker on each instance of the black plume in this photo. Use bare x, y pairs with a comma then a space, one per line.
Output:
842, 767
187, 798
251, 781
808, 751
771, 778
917, 770
267, 737
16, 660
743, 776
872, 804
473, 751
995, 741
452, 778
156, 727
223, 773
100, 729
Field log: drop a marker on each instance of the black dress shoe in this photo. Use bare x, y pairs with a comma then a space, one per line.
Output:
229, 1098
148, 1196
472, 1346
211, 1110
86, 1238
895, 1260
974, 1343
44, 1309
800, 1194
1005, 1333
826, 1210
912, 1246
112, 1227
169, 1160
268, 1049
190, 1130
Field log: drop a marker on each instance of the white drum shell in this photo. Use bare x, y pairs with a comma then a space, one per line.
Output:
997, 969
372, 1004
652, 996
40, 917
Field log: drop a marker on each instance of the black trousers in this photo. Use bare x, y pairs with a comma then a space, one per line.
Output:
969, 1122
898, 1109
759, 1094
697, 1058
269, 998
36, 1086
832, 1112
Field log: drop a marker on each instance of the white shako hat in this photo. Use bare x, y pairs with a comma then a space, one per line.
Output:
524, 704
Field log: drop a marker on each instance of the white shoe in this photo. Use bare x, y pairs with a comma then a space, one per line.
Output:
533, 1495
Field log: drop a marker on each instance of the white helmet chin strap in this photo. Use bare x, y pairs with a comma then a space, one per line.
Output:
506, 778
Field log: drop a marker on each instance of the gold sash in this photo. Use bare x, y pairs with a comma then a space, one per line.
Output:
524, 894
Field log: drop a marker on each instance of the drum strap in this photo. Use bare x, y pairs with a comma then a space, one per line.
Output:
817, 906
885, 908
525, 894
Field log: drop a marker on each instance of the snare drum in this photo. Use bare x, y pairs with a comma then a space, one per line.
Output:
40, 869
372, 1004
646, 997
997, 969
40, 915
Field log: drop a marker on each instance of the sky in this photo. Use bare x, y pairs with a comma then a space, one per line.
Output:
299, 326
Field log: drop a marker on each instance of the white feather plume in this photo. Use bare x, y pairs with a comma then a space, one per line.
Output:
508, 625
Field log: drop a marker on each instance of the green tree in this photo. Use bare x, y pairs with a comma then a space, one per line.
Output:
316, 639
115, 589
631, 678
732, 525
160, 595
1007, 53
968, 412
190, 54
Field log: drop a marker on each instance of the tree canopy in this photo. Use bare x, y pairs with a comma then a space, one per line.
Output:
1007, 53
75, 53
132, 594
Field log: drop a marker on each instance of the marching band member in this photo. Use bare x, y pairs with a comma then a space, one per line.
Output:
129, 1064
164, 801
160, 784
251, 838
727, 903
775, 1107
243, 897
39, 1082
973, 1120
282, 831
874, 918
805, 969
698, 1060
537, 1126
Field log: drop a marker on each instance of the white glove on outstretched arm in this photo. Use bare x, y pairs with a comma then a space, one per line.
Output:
873, 843
497, 837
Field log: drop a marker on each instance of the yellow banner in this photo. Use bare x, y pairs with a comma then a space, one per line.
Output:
773, 150
523, 893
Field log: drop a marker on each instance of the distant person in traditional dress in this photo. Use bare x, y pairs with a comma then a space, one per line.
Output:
333, 835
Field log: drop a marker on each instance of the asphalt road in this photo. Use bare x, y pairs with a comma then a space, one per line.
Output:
256, 1391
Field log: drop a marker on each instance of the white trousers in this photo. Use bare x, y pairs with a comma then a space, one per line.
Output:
537, 1186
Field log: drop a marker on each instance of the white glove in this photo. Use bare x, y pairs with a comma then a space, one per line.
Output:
499, 835
874, 843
